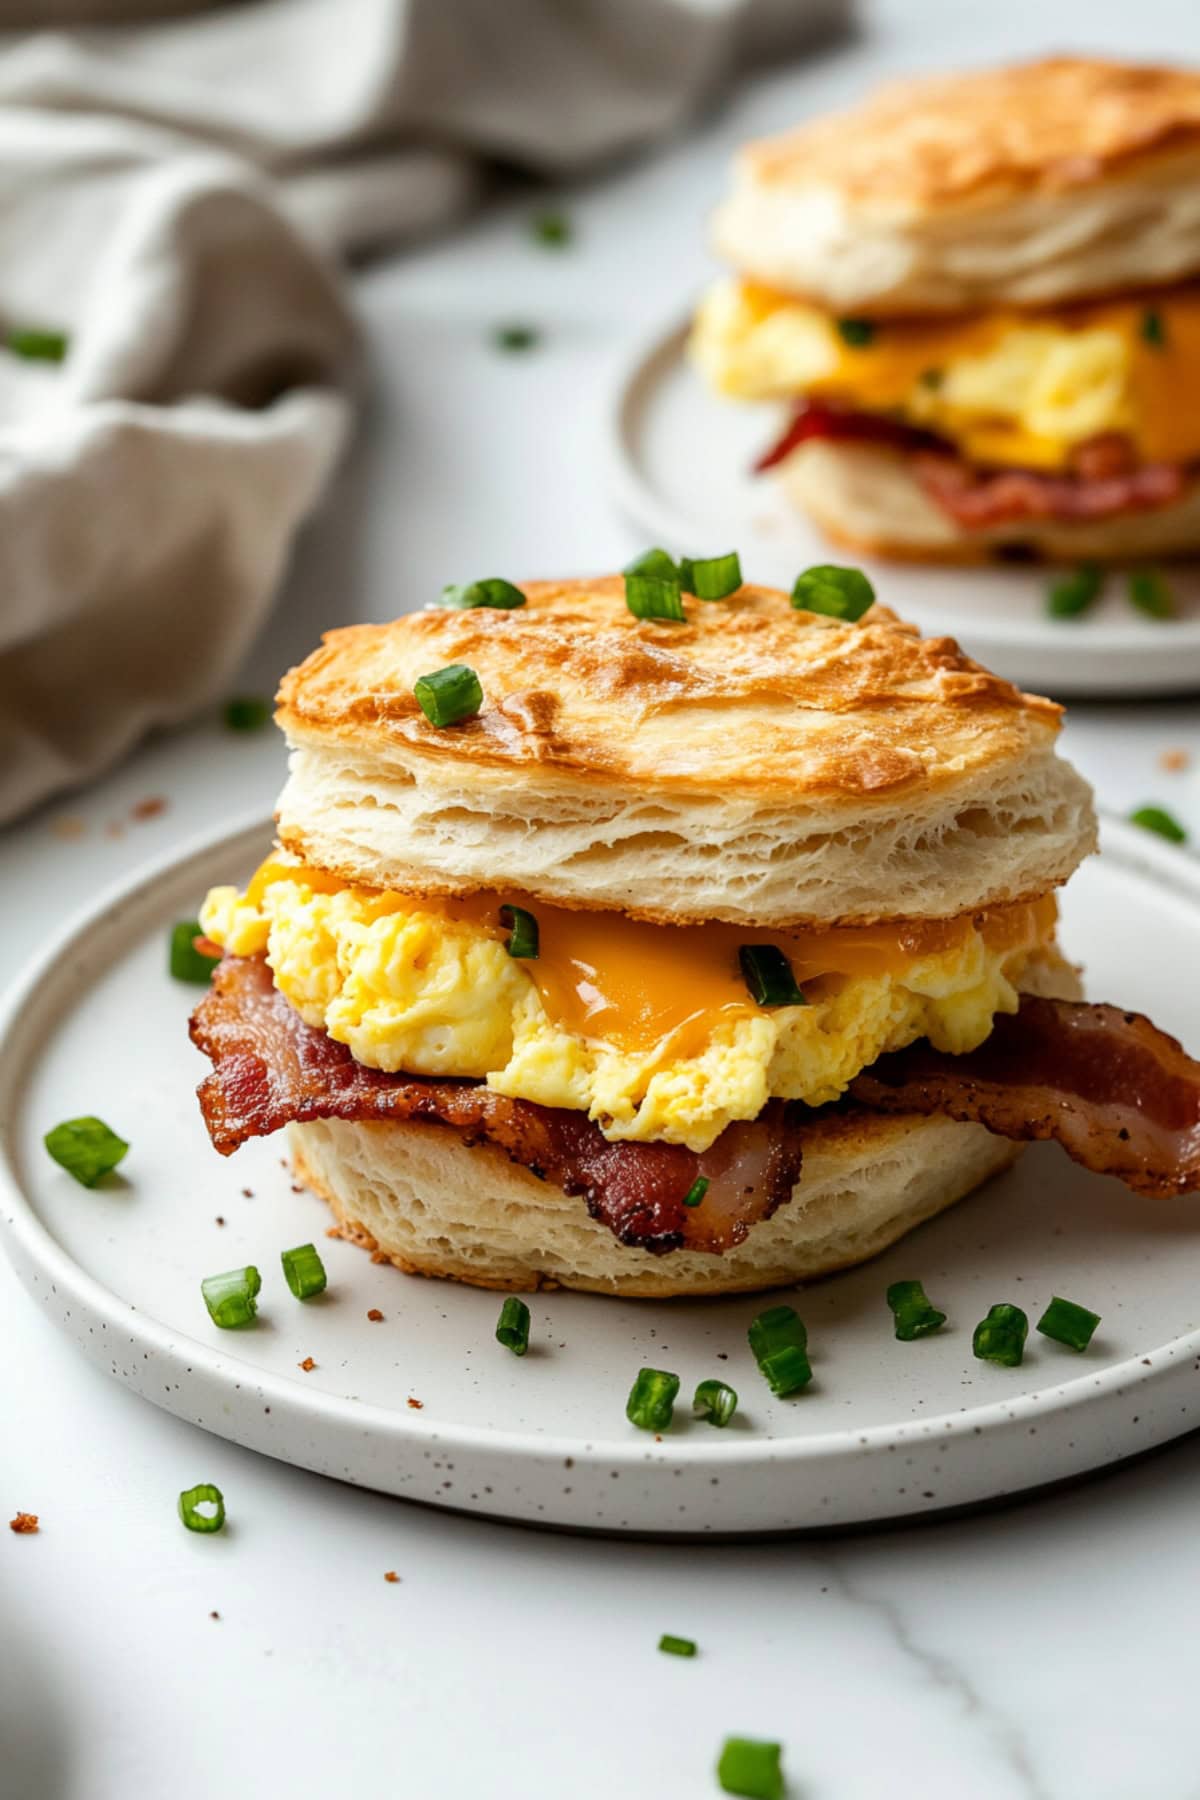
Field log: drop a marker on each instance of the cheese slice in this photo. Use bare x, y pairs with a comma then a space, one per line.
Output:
640, 986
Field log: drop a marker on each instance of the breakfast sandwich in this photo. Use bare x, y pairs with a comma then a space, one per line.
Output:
978, 296
630, 941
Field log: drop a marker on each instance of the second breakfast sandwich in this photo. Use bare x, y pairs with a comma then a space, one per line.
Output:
654, 945
980, 296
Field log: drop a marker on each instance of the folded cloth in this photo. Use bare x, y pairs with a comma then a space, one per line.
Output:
174, 196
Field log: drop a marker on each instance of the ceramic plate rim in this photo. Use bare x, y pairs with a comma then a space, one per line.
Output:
638, 502
1124, 843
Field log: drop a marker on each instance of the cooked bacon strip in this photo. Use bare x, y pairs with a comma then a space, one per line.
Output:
269, 1068
1104, 479
1118, 1094
817, 419
976, 498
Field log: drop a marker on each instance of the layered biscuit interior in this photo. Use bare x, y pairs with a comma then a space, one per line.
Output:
649, 1029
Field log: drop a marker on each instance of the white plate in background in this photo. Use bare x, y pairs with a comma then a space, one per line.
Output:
886, 1430
681, 461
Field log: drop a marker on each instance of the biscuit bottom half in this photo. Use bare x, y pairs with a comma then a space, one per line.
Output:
869, 500
414, 1194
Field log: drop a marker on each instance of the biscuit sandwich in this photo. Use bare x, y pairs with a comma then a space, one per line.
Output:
625, 940
978, 297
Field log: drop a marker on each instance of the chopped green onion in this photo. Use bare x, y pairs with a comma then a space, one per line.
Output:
776, 1329
36, 344
779, 1341
492, 592
751, 1768
858, 333
914, 1316
85, 1148
768, 974
838, 593
1075, 593
697, 1191
1152, 329
714, 1401
551, 229
1156, 818
654, 597
232, 1298
652, 1399
786, 1371
676, 1646
304, 1271
523, 932
1068, 1324
192, 1499
1150, 592
512, 1327
712, 577
653, 562
450, 695
247, 712
515, 337
185, 962
1000, 1338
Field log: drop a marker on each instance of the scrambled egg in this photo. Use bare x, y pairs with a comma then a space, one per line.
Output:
1021, 389
408, 986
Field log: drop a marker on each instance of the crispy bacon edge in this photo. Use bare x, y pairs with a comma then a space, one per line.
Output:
1104, 480
1119, 1095
270, 1068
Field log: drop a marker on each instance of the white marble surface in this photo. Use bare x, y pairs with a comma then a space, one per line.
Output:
1042, 1653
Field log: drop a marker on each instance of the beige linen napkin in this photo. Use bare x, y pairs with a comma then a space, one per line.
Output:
173, 195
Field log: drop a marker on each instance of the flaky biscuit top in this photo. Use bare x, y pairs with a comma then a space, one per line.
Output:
755, 763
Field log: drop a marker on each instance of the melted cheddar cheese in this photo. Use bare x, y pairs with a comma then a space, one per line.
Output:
1006, 387
648, 1028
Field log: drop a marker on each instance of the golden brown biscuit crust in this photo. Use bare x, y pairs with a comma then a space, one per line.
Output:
962, 140
748, 697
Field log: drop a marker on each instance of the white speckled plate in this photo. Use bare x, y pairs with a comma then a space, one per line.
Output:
887, 1429
680, 461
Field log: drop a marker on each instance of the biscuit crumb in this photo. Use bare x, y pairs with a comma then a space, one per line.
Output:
247, 1193
307, 1364
220, 1220
150, 808
374, 1314
390, 1575
214, 1615
1174, 761
25, 1524
415, 1404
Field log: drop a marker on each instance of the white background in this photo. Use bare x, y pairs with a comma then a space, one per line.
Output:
1045, 1651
